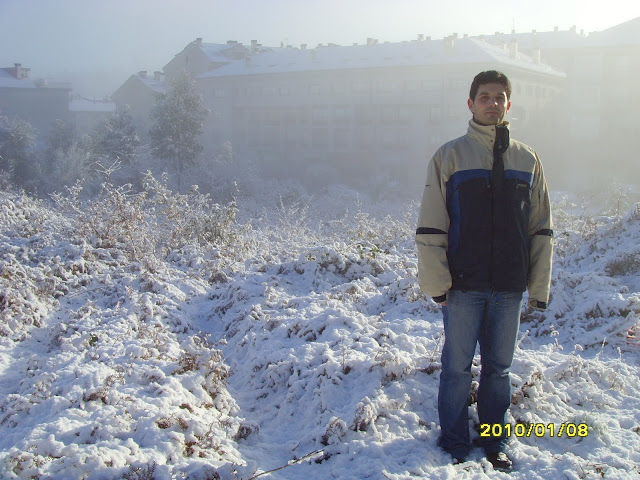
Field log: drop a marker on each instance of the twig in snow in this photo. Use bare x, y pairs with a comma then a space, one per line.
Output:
291, 462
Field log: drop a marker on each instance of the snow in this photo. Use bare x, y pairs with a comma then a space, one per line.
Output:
296, 346
335, 57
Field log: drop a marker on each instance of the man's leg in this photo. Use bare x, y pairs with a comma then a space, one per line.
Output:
462, 315
498, 337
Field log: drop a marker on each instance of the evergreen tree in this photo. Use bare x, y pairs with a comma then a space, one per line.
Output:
115, 138
178, 117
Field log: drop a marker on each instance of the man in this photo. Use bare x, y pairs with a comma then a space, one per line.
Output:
484, 236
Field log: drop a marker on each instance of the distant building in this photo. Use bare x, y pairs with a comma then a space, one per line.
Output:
601, 99
40, 102
198, 57
140, 92
336, 111
377, 107
86, 113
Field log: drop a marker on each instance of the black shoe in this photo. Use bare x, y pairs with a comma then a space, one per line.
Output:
500, 461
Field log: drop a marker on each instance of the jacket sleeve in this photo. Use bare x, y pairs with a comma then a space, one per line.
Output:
431, 235
541, 241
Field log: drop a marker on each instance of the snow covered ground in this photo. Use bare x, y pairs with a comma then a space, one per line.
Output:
157, 337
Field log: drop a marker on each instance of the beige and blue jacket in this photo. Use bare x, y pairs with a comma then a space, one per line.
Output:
485, 219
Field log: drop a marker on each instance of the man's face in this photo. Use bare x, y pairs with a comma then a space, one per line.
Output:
490, 105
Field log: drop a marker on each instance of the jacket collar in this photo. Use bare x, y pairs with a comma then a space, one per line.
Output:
486, 134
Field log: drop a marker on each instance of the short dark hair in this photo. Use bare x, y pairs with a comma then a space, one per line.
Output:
490, 76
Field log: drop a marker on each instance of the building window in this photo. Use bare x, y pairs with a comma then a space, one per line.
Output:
271, 137
384, 86
360, 87
320, 115
365, 114
284, 91
267, 91
342, 114
291, 137
290, 116
431, 85
435, 113
337, 88
341, 139
388, 139
272, 117
314, 89
320, 138
364, 138
404, 115
387, 114
218, 92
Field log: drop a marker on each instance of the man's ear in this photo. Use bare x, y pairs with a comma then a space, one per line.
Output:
508, 106
470, 105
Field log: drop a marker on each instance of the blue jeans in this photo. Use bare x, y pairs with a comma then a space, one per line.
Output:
492, 319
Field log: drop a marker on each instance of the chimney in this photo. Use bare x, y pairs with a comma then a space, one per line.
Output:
537, 55
142, 74
157, 75
303, 46
254, 46
449, 44
232, 42
513, 49
421, 37
199, 41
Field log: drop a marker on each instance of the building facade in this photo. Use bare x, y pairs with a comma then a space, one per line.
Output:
348, 113
40, 102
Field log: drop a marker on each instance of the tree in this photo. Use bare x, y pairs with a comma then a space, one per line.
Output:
17, 139
178, 117
115, 138
60, 138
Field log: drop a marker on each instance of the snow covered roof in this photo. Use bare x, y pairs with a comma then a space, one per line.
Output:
155, 82
557, 39
624, 34
220, 52
81, 104
415, 53
7, 80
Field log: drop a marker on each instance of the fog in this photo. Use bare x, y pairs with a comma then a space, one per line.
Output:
586, 133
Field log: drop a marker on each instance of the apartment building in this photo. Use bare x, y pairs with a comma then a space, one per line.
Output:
599, 134
40, 102
382, 108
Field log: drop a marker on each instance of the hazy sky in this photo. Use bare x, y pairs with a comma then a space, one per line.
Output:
51, 36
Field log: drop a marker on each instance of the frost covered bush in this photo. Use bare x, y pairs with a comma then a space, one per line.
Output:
30, 277
152, 222
595, 259
114, 218
192, 218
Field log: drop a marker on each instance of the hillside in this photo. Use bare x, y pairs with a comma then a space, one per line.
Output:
156, 335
